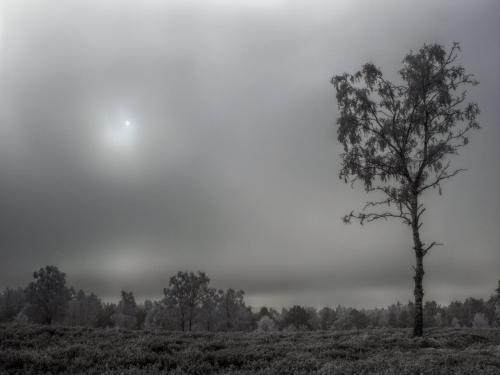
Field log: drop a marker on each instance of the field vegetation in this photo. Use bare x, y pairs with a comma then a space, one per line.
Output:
37, 349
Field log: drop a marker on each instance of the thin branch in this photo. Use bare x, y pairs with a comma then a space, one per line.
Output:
372, 216
426, 250
441, 177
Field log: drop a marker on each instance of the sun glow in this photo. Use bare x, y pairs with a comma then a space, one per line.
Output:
120, 136
116, 151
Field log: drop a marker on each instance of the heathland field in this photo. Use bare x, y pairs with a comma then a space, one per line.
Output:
69, 350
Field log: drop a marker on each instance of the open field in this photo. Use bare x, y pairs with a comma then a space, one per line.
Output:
54, 350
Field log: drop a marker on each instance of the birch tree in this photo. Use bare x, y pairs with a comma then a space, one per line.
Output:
398, 139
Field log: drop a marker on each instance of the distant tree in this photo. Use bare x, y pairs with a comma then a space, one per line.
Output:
479, 320
430, 311
264, 311
268, 312
438, 319
456, 310
272, 313
162, 315
376, 317
266, 324
105, 318
327, 318
48, 296
398, 138
497, 305
344, 318
126, 312
140, 316
186, 291
403, 319
235, 315
393, 319
358, 319
471, 307
11, 303
210, 302
83, 310
314, 321
297, 318
393, 316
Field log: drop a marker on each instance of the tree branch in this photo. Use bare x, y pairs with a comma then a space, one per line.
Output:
426, 250
372, 216
441, 177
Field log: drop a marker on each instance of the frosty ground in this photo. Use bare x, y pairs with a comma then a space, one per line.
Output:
31, 349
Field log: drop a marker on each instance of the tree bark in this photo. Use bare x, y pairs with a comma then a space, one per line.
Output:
418, 328
192, 306
183, 322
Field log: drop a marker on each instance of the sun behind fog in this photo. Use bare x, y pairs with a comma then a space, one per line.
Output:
120, 136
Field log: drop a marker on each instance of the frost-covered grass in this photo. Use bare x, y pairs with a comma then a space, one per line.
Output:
54, 350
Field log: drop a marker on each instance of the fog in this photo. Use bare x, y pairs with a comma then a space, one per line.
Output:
138, 138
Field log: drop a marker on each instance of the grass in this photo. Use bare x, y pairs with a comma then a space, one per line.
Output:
73, 350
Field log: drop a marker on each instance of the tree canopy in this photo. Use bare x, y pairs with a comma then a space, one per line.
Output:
47, 295
398, 138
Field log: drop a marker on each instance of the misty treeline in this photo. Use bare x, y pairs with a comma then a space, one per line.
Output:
191, 304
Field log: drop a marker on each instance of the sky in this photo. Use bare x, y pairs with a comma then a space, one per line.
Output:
139, 138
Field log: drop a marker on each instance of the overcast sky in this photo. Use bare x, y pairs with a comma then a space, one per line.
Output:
138, 138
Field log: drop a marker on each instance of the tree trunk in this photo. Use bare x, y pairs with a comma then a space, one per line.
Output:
418, 328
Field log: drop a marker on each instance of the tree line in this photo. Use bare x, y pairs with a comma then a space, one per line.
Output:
189, 303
